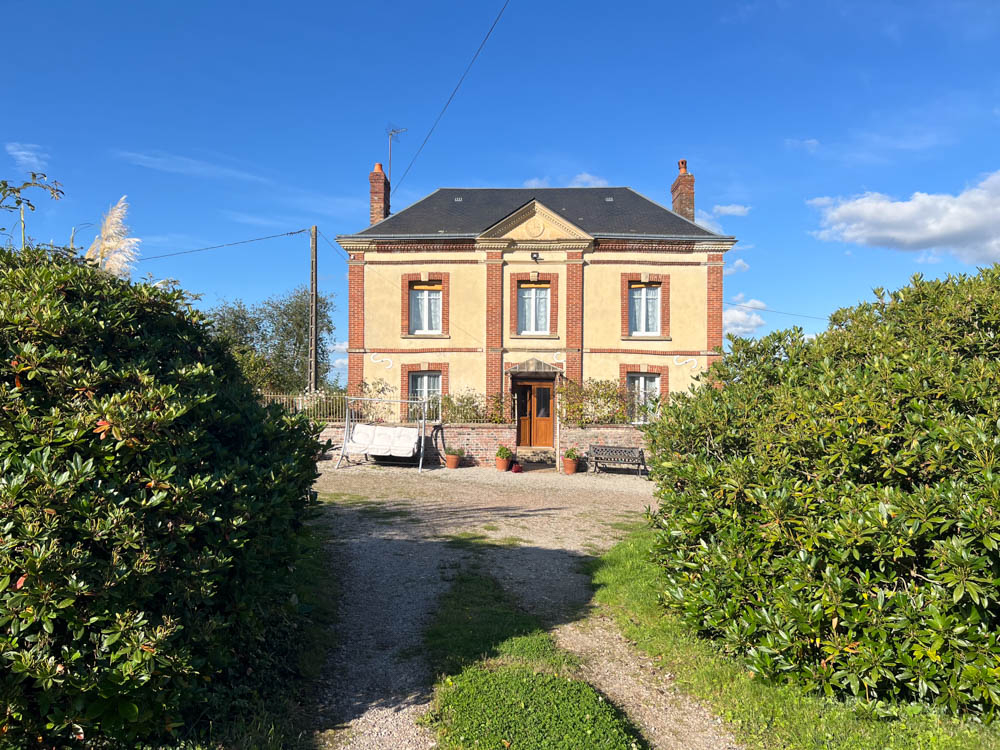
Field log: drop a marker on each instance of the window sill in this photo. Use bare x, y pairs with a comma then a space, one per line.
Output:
534, 335
425, 336
646, 338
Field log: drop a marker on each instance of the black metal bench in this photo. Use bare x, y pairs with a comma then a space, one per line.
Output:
618, 455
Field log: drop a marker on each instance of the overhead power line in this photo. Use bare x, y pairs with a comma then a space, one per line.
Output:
455, 91
225, 244
779, 312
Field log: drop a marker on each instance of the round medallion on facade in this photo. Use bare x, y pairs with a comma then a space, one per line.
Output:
534, 227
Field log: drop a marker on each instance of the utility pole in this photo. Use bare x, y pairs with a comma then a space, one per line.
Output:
313, 385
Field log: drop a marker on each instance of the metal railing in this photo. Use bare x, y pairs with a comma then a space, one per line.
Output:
324, 407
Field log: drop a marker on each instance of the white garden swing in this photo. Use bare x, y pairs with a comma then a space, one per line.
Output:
367, 434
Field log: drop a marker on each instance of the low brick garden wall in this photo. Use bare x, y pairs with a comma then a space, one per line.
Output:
480, 441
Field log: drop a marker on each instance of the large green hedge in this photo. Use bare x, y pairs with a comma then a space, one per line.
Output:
830, 509
149, 512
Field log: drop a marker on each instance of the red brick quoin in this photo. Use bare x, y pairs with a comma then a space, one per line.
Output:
356, 323
409, 278
715, 302
664, 282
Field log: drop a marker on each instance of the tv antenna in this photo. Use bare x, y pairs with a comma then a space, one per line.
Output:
393, 132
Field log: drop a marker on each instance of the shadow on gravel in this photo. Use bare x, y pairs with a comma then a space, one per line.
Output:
391, 578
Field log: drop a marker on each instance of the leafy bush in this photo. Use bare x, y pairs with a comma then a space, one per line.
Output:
150, 512
594, 402
504, 452
831, 509
470, 406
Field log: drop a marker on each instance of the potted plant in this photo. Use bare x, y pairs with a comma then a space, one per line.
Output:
453, 457
570, 459
503, 458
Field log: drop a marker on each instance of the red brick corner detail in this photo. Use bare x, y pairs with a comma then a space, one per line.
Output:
714, 302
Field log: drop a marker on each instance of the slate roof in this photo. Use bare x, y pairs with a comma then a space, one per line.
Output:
627, 214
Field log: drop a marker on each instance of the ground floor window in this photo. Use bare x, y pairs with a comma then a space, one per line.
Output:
427, 384
645, 391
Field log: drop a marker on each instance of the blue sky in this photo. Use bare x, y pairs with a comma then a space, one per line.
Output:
848, 144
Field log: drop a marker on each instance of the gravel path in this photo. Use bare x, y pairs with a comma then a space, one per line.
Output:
396, 554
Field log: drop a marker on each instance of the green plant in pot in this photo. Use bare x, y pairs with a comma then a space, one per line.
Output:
570, 459
453, 457
504, 457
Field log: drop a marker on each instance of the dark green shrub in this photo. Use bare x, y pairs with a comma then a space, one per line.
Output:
830, 511
150, 512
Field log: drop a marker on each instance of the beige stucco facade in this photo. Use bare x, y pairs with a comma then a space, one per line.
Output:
587, 277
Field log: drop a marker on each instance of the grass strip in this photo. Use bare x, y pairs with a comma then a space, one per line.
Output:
761, 715
504, 682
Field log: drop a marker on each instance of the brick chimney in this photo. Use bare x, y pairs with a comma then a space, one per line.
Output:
379, 194
683, 191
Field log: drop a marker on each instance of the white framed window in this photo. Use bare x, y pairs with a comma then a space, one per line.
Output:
644, 309
645, 390
427, 384
425, 308
532, 308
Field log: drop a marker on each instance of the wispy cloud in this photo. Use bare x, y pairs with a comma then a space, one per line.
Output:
743, 320
174, 164
255, 220
585, 179
29, 157
705, 219
340, 363
733, 209
339, 346
966, 225
809, 145
582, 179
739, 266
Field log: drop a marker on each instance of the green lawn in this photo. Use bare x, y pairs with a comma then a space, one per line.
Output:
505, 684
761, 716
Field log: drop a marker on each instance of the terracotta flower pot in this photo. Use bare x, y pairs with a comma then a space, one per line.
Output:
569, 465
451, 461
503, 464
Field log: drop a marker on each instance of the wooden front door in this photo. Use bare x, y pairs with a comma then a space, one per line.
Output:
535, 406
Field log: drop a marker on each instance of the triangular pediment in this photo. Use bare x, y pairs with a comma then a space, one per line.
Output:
533, 222
534, 366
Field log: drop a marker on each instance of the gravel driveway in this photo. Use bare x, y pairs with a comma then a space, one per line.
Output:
401, 537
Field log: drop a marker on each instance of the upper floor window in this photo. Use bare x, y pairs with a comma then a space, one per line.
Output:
533, 308
644, 309
425, 307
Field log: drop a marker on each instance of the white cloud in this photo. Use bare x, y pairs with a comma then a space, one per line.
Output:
339, 346
29, 157
705, 219
809, 145
585, 179
340, 363
966, 225
743, 320
739, 265
733, 209
537, 182
163, 162
744, 246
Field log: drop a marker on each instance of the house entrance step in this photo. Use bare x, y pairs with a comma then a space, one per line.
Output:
532, 455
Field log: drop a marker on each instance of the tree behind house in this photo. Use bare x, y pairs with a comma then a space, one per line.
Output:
270, 340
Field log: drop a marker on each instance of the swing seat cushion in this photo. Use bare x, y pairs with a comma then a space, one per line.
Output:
361, 439
405, 442
381, 444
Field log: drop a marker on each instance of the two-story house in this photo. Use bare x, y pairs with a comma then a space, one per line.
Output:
505, 290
